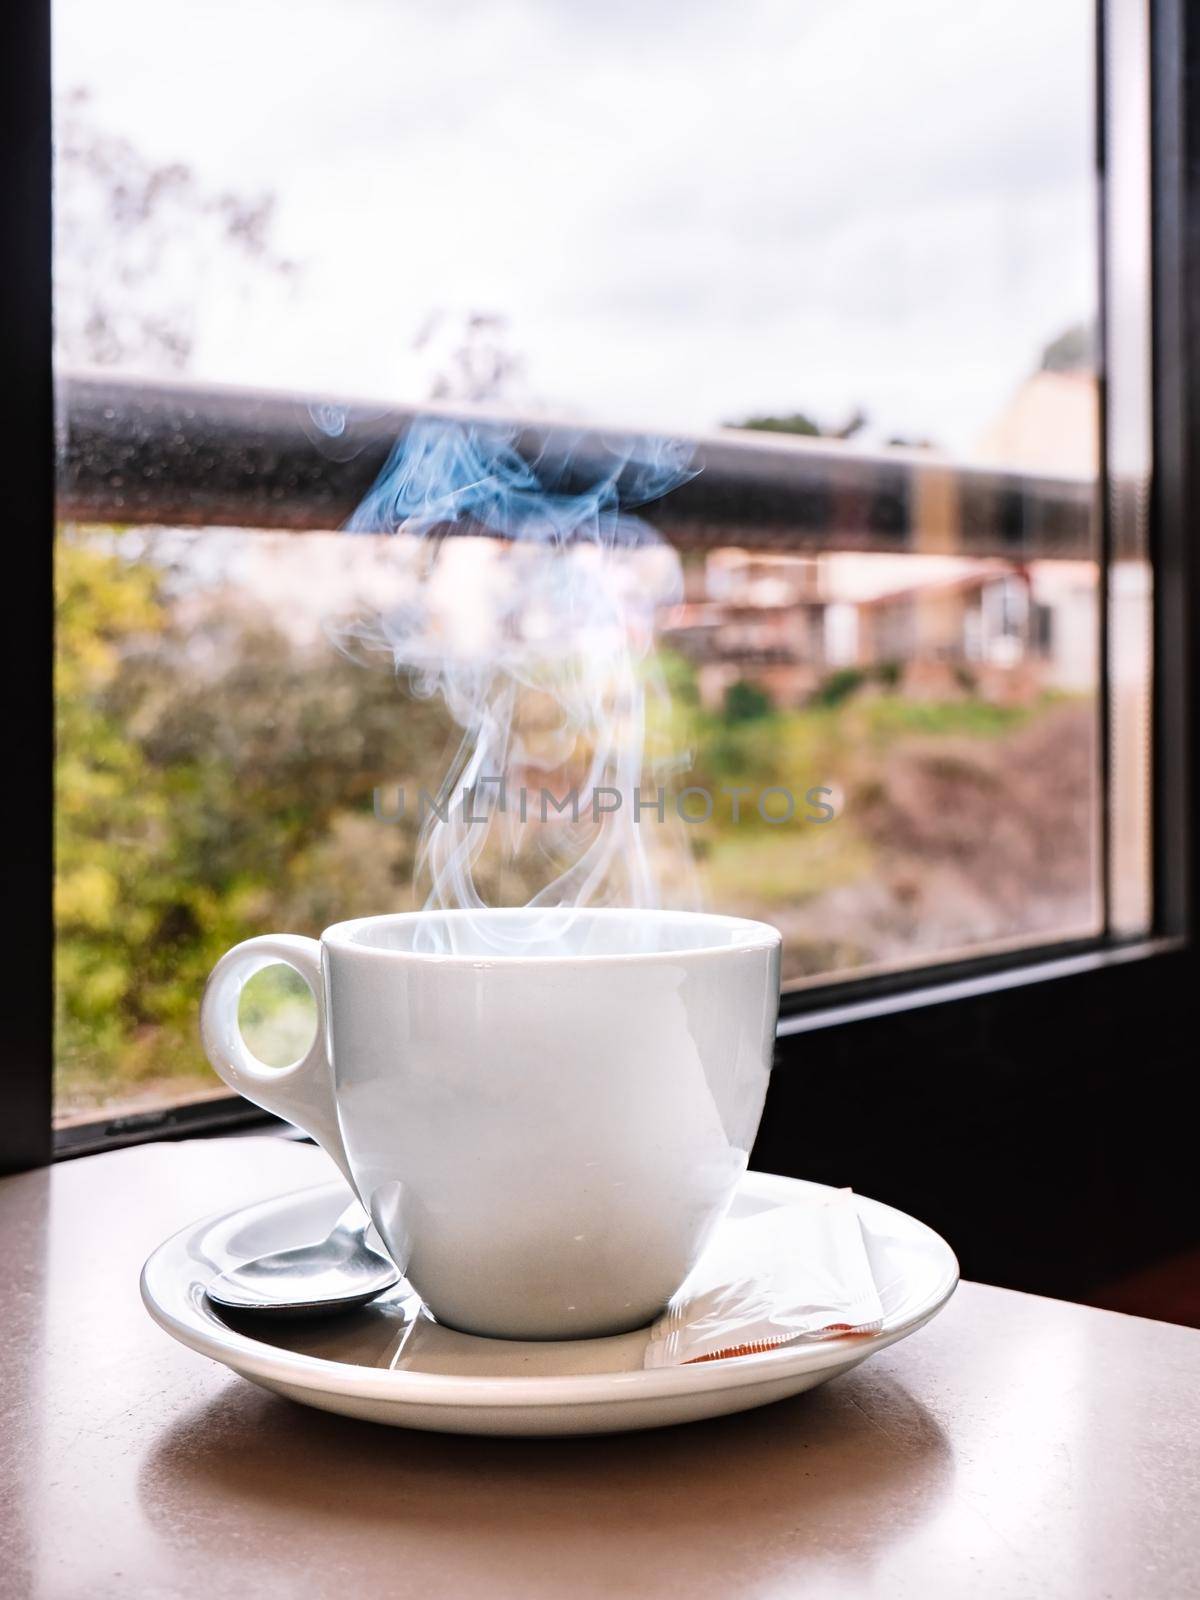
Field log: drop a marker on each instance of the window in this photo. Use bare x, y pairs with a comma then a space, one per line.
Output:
886, 586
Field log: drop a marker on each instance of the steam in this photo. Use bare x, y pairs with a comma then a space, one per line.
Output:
529, 609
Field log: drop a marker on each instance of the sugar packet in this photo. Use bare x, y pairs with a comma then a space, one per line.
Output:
797, 1271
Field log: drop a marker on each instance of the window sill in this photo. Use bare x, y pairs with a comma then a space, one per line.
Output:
886, 994
829, 1006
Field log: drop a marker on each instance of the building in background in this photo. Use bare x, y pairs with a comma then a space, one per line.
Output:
951, 627
933, 624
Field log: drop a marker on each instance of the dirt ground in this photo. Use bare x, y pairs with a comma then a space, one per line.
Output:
972, 842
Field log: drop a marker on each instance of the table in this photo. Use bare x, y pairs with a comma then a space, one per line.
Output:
1016, 1447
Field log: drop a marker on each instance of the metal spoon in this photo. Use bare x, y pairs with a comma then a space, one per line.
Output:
338, 1274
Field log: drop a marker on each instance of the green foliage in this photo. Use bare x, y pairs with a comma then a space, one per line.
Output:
894, 717
746, 702
678, 678
277, 1015
211, 783
797, 422
215, 780
839, 686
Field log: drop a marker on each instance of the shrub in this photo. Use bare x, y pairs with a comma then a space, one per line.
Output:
839, 686
746, 702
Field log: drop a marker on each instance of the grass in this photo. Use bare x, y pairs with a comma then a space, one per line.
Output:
756, 868
890, 717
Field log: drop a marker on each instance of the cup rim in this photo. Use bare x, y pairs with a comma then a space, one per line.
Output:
755, 936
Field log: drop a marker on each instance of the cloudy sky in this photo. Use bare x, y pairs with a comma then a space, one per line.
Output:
687, 211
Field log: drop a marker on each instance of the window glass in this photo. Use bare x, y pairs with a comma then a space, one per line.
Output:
842, 260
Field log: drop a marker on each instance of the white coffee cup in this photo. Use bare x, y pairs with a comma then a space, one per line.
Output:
544, 1114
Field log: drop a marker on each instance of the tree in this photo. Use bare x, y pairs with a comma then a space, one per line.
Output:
799, 422
746, 701
1074, 350
133, 239
469, 357
215, 778
213, 781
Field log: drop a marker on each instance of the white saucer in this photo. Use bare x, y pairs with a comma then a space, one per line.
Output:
391, 1363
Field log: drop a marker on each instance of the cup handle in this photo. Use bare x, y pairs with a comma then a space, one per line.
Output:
301, 1093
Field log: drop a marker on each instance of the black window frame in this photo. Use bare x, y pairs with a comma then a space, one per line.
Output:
27, 418
1043, 1083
